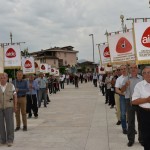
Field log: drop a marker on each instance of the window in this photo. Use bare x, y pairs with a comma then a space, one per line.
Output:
65, 62
54, 61
42, 60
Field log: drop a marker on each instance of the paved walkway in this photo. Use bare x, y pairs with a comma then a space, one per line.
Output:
76, 119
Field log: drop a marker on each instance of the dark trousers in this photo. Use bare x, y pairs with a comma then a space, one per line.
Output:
32, 105
6, 125
103, 89
76, 84
145, 127
107, 95
131, 112
50, 87
67, 81
112, 98
95, 82
42, 94
62, 84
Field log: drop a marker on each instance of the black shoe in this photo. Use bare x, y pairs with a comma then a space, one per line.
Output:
106, 102
111, 107
24, 128
118, 123
17, 128
124, 131
36, 117
45, 106
130, 143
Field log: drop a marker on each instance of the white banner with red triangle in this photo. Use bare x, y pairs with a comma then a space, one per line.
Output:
142, 40
53, 71
105, 54
12, 56
44, 68
57, 72
121, 47
28, 65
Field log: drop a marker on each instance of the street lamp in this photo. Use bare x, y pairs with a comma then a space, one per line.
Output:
93, 45
122, 21
99, 52
11, 37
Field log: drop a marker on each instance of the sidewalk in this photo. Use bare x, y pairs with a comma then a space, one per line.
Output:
75, 119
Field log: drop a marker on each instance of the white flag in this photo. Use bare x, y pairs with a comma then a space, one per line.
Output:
28, 65
12, 56
44, 68
142, 40
121, 47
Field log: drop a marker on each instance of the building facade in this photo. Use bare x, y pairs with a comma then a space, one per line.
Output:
56, 57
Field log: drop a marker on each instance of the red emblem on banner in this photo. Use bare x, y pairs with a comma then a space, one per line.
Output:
106, 52
36, 65
123, 46
10, 53
28, 64
52, 70
43, 67
145, 40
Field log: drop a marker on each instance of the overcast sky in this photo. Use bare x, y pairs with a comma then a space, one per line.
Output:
47, 23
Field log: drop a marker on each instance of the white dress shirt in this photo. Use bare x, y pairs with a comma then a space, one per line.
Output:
142, 90
119, 82
3, 87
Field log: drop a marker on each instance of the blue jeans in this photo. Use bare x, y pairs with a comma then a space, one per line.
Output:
42, 94
123, 111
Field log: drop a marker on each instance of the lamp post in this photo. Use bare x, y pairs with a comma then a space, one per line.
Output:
11, 38
93, 45
99, 53
122, 22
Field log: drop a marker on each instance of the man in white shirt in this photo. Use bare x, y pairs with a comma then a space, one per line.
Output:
118, 86
61, 80
141, 97
128, 87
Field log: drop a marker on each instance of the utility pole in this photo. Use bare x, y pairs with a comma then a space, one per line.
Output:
11, 43
93, 45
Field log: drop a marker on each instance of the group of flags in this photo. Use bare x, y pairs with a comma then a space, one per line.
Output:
126, 47
10, 58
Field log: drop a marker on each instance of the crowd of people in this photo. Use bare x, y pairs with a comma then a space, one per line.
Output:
25, 95
128, 91
124, 89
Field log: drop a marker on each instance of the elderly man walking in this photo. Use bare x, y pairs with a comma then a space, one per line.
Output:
118, 86
128, 87
141, 97
21, 89
8, 104
43, 89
